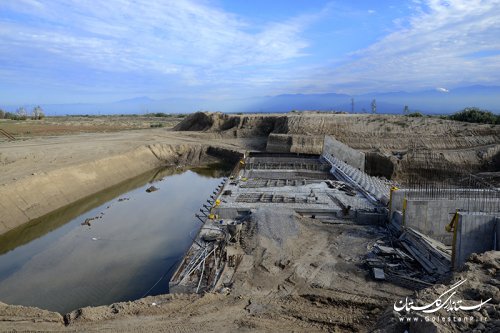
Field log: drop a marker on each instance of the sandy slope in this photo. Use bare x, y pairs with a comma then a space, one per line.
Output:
40, 175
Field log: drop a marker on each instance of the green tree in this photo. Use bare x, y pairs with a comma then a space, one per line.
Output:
374, 106
475, 115
2, 114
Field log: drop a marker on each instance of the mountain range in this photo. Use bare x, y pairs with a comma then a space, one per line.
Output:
436, 101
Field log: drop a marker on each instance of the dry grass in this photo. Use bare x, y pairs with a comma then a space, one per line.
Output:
72, 125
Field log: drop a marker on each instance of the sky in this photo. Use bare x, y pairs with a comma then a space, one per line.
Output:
82, 51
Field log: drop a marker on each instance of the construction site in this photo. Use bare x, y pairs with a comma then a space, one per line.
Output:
312, 232
431, 228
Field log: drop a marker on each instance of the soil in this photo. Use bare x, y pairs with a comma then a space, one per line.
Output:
308, 277
51, 126
400, 146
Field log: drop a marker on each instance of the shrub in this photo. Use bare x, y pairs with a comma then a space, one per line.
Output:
476, 115
14, 116
158, 115
415, 115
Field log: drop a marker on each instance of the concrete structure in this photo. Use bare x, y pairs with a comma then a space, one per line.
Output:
474, 233
287, 183
374, 189
300, 183
431, 216
351, 156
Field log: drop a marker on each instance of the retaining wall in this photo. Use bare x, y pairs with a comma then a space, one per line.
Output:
475, 233
344, 153
430, 216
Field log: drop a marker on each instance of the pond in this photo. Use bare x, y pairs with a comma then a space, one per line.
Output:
129, 247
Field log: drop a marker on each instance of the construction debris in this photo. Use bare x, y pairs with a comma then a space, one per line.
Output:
413, 260
152, 189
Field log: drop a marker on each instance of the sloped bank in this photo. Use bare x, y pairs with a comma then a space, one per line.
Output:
32, 197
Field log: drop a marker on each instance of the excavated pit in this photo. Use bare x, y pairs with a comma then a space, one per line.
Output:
119, 244
303, 271
396, 147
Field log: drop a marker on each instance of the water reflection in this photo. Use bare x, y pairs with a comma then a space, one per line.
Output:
130, 245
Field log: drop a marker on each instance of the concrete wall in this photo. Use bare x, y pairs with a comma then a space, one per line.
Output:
343, 152
397, 220
370, 218
497, 231
397, 199
475, 233
431, 216
228, 212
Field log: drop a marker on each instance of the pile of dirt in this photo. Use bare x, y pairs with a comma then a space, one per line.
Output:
275, 224
481, 276
233, 125
296, 274
198, 121
295, 143
400, 145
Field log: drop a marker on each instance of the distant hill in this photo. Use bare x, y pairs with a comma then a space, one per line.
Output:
428, 101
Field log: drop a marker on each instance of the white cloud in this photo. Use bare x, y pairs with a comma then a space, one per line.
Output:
436, 47
175, 37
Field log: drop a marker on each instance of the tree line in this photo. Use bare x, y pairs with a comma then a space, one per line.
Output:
21, 113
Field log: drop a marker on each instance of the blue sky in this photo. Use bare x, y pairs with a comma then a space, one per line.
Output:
69, 51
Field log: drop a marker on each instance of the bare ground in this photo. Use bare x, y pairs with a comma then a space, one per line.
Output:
313, 281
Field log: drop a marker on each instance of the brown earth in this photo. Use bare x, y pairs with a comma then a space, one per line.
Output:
398, 145
51, 126
482, 282
314, 281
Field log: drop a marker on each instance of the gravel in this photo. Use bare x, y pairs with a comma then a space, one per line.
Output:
277, 224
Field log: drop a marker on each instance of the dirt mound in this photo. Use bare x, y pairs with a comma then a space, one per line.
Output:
198, 121
399, 142
233, 125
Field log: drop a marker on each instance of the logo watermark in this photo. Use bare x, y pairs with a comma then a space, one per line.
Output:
447, 301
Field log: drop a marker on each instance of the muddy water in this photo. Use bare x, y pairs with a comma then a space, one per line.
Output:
129, 250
